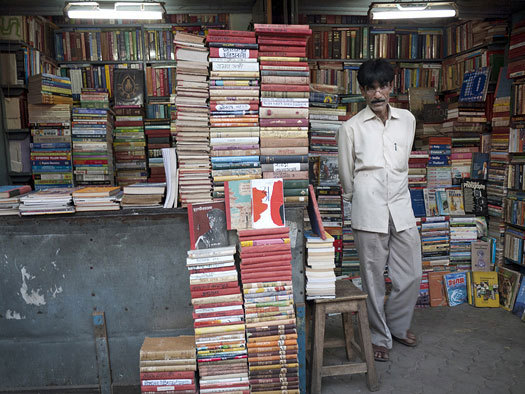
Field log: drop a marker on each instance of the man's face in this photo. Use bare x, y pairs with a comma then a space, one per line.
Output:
377, 96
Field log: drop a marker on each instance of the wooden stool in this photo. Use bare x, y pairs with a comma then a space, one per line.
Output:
348, 299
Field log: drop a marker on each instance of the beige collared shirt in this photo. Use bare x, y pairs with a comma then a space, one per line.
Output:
373, 169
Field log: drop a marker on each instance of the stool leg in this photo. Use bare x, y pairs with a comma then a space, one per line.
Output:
316, 372
366, 347
348, 328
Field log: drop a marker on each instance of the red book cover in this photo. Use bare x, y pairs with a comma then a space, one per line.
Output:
214, 286
234, 33
314, 214
218, 305
213, 323
273, 87
265, 231
207, 225
284, 234
234, 39
263, 248
215, 292
171, 392
283, 54
129, 123
277, 272
167, 375
207, 270
288, 42
271, 28
268, 278
285, 63
263, 260
237, 312
223, 53
263, 256
269, 122
165, 388
281, 264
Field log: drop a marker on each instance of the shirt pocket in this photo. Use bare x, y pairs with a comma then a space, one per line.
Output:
398, 152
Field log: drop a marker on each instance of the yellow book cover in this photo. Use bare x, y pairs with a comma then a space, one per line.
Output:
485, 289
469, 288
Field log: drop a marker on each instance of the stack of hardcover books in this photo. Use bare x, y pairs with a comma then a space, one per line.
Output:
219, 320
438, 171
47, 201
168, 364
284, 102
97, 198
49, 89
435, 244
192, 123
92, 130
94, 98
129, 145
266, 275
417, 168
51, 145
10, 198
350, 258
157, 137
234, 104
320, 276
463, 231
143, 195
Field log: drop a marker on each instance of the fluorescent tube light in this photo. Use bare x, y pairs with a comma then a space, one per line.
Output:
412, 10
92, 10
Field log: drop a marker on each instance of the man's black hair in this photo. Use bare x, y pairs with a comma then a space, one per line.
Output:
375, 70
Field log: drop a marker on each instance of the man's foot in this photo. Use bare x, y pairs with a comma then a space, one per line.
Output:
380, 353
410, 340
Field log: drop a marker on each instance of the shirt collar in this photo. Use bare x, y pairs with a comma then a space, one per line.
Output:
369, 114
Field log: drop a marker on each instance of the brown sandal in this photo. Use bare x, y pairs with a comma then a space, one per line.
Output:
410, 341
380, 353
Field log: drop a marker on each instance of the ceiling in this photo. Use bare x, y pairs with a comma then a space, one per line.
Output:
469, 9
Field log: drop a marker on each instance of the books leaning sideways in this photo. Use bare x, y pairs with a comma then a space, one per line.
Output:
10, 198
168, 364
320, 276
219, 320
143, 195
47, 201
97, 198
49, 89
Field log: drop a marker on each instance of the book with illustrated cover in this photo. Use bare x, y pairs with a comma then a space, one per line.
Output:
519, 304
128, 87
480, 256
238, 199
207, 225
430, 202
480, 166
328, 171
436, 288
442, 202
315, 217
417, 198
509, 281
475, 85
456, 288
267, 203
455, 202
475, 196
483, 289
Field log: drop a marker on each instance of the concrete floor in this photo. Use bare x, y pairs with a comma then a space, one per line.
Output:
462, 350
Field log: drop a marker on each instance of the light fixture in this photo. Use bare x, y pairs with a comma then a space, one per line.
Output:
413, 10
119, 10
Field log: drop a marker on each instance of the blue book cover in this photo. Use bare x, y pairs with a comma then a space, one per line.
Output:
456, 288
475, 85
418, 202
480, 166
519, 304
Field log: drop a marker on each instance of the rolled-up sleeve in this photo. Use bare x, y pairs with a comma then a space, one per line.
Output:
346, 159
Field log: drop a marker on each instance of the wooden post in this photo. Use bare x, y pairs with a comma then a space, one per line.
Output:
269, 11
102, 352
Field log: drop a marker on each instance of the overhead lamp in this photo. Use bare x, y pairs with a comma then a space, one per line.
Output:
413, 10
119, 10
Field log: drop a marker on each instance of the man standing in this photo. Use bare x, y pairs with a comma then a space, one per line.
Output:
374, 147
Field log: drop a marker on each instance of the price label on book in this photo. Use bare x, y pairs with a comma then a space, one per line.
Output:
287, 167
233, 53
233, 107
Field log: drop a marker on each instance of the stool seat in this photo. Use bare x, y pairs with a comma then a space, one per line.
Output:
348, 300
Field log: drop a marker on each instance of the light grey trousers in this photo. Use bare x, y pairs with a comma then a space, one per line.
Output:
402, 251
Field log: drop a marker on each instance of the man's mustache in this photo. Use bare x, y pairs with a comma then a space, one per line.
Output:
378, 101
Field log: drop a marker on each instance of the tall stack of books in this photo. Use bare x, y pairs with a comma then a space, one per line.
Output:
49, 89
129, 146
320, 276
435, 245
234, 104
463, 232
350, 257
51, 162
219, 320
192, 123
157, 137
284, 100
10, 198
266, 275
168, 364
438, 170
92, 129
461, 163
417, 168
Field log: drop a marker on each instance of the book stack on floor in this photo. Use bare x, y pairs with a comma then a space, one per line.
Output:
461, 163
51, 147
192, 123
10, 198
49, 89
219, 320
97, 198
143, 195
129, 145
417, 168
435, 242
92, 130
499, 160
168, 364
463, 232
234, 104
350, 257
284, 102
320, 276
266, 275
47, 201
157, 137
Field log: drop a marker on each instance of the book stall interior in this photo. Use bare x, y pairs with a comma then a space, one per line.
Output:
227, 117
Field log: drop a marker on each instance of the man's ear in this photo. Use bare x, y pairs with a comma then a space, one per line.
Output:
362, 89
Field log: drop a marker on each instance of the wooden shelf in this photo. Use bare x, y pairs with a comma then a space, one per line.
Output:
390, 60
476, 48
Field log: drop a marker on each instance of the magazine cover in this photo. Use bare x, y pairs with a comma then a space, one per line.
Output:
238, 198
484, 288
475, 196
267, 203
456, 288
442, 202
508, 287
475, 85
455, 202
207, 225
